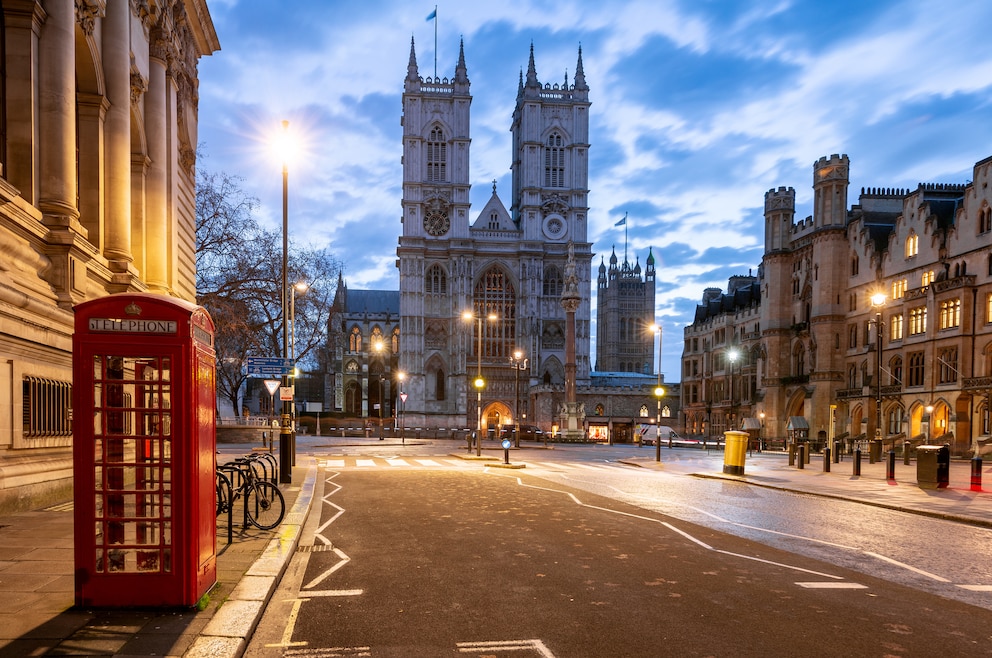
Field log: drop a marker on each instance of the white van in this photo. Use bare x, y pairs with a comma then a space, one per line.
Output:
649, 431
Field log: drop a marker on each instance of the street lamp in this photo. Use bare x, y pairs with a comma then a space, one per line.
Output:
400, 378
480, 383
877, 302
379, 347
732, 356
519, 363
286, 432
929, 410
659, 392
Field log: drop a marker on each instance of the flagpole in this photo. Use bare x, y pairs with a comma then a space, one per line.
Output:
625, 237
435, 42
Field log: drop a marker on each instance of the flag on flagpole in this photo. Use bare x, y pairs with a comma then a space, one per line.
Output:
622, 222
431, 16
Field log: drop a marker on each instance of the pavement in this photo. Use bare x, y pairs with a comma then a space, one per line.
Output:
38, 618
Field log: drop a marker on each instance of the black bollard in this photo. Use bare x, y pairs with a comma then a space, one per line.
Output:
857, 461
826, 460
792, 454
836, 451
976, 473
802, 456
905, 453
890, 466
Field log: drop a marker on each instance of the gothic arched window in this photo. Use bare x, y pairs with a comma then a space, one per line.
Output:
436, 281
554, 161
355, 340
437, 156
495, 295
552, 282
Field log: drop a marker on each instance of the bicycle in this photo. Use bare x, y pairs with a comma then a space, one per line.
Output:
264, 505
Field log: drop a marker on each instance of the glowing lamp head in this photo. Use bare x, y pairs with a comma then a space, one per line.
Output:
480, 382
659, 391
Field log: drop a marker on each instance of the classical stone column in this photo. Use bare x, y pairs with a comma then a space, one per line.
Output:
57, 116
117, 72
573, 415
158, 244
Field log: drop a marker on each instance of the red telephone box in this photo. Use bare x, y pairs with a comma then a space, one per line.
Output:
144, 451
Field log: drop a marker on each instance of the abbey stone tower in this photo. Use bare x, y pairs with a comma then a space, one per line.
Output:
503, 264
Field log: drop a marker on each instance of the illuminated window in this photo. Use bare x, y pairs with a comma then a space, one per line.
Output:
988, 307
355, 340
927, 278
895, 324
899, 289
950, 313
912, 244
918, 321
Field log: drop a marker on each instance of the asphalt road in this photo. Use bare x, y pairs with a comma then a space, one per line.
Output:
439, 562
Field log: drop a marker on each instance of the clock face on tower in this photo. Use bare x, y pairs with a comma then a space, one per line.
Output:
436, 222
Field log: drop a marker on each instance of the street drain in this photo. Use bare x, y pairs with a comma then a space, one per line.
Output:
314, 548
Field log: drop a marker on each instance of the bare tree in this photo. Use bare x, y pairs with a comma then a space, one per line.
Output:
239, 282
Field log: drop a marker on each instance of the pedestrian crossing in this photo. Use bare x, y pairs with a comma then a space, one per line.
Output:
438, 461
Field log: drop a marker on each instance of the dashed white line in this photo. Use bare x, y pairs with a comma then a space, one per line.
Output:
507, 645
834, 585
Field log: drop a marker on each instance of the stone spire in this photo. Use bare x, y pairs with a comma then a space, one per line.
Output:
412, 73
532, 86
461, 73
580, 77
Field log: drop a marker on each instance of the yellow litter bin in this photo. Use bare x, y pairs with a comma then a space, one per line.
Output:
734, 452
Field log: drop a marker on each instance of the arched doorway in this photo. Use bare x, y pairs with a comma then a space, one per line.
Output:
494, 416
353, 399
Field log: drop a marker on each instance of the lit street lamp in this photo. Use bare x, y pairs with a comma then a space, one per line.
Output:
286, 432
732, 356
480, 383
379, 347
659, 392
519, 363
877, 302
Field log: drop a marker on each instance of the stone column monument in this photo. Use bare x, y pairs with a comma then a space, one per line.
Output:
572, 415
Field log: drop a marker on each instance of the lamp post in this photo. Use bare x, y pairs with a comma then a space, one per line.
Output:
877, 301
519, 363
929, 410
400, 378
659, 392
480, 383
286, 431
732, 356
379, 347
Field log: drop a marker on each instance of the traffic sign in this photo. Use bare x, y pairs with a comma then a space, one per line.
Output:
267, 366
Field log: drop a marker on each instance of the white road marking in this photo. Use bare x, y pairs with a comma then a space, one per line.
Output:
908, 567
977, 588
397, 462
330, 652
287, 634
508, 645
676, 530
427, 462
364, 462
335, 592
343, 559
332, 463
832, 585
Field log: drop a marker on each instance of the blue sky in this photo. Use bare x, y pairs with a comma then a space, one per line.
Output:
699, 108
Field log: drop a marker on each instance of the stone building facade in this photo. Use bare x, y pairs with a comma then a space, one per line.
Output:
98, 119
504, 263
912, 267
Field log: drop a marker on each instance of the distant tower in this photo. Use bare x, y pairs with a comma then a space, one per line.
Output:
624, 313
